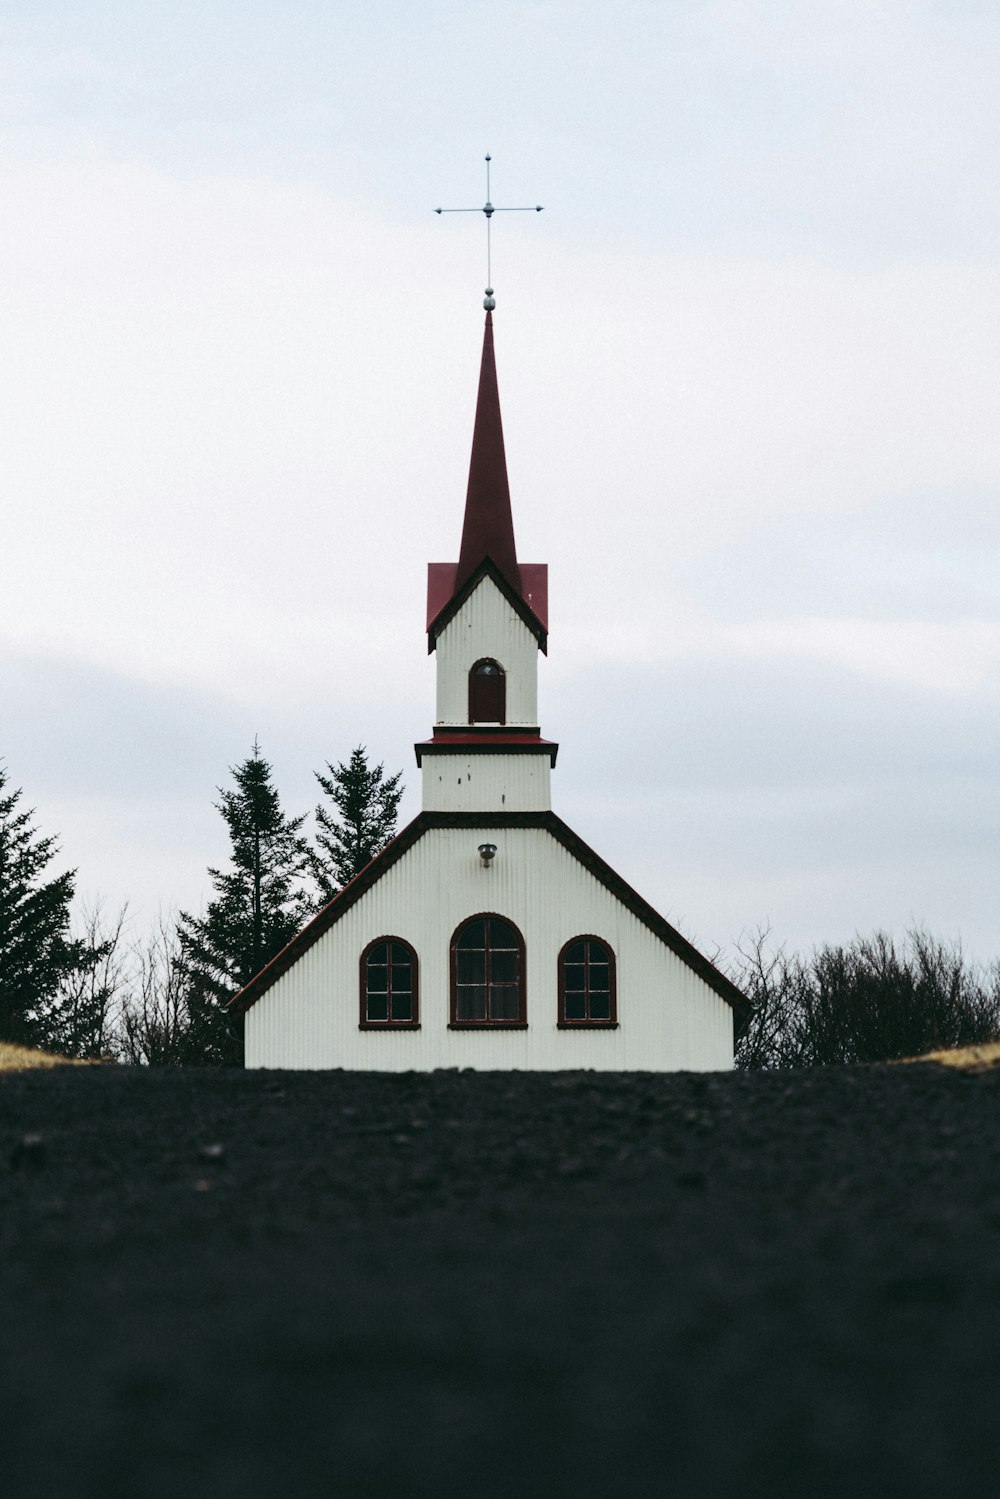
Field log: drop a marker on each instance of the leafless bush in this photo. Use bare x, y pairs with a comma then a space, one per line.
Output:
870, 1001
154, 1022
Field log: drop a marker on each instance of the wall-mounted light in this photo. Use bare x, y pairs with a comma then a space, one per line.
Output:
487, 852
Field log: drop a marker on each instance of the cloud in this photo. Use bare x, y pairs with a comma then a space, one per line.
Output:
747, 365
821, 800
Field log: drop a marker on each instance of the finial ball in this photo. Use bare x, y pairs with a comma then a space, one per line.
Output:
489, 301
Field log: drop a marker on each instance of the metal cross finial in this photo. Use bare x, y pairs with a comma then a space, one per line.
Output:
489, 210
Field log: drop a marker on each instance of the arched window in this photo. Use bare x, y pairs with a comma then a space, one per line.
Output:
487, 693
389, 997
487, 973
587, 984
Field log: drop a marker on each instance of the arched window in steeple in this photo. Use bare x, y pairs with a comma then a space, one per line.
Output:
487, 693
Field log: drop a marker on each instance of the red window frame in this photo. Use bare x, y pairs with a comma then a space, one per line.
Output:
413, 1024
586, 1022
521, 1022
495, 683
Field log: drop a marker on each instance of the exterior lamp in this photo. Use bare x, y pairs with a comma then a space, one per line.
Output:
487, 852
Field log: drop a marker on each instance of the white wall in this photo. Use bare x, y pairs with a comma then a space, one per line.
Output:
669, 1018
487, 626
487, 783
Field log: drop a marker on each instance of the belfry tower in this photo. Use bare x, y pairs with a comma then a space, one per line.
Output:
487, 619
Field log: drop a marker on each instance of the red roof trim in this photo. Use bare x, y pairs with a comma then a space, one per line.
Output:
482, 744
424, 822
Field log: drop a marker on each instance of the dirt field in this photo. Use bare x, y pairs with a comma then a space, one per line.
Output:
239, 1285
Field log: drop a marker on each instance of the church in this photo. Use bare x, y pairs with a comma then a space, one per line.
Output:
487, 934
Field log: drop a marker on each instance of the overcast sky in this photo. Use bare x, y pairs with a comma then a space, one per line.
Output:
749, 368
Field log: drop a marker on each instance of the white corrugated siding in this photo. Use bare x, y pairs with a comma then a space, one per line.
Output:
486, 626
669, 1018
487, 783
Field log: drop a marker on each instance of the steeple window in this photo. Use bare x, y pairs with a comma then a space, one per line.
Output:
487, 973
487, 693
587, 984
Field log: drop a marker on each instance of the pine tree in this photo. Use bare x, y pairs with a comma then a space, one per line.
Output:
260, 904
37, 954
366, 801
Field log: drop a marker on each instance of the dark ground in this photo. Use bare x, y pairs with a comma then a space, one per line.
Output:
238, 1285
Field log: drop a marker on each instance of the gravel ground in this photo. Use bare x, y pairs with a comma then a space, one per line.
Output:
242, 1284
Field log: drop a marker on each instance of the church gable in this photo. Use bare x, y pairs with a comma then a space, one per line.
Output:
568, 952
523, 872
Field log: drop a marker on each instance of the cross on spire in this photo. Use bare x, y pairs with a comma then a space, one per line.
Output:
489, 210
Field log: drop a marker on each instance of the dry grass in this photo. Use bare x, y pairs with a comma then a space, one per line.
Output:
969, 1058
21, 1058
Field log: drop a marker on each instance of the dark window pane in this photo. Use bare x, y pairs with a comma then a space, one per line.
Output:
472, 935
504, 1002
402, 1007
488, 669
503, 967
379, 953
574, 976
378, 977
600, 1006
576, 952
470, 1002
399, 953
599, 976
575, 1005
488, 699
598, 952
502, 934
401, 980
378, 1006
470, 967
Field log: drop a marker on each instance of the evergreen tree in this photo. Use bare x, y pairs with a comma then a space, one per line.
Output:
260, 904
37, 954
363, 822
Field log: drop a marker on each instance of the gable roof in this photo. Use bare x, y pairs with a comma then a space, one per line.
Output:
537, 571
423, 823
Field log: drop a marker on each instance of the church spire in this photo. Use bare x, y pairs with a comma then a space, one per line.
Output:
488, 530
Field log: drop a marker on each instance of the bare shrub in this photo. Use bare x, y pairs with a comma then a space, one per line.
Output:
154, 1023
869, 1001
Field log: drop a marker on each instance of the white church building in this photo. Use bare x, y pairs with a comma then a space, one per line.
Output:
487, 934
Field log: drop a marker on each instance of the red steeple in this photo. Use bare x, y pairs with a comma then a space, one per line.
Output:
488, 530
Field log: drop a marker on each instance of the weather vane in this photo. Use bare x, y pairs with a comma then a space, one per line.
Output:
489, 210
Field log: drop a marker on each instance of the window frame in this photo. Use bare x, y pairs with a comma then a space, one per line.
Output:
587, 1024
364, 1024
521, 1023
488, 661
